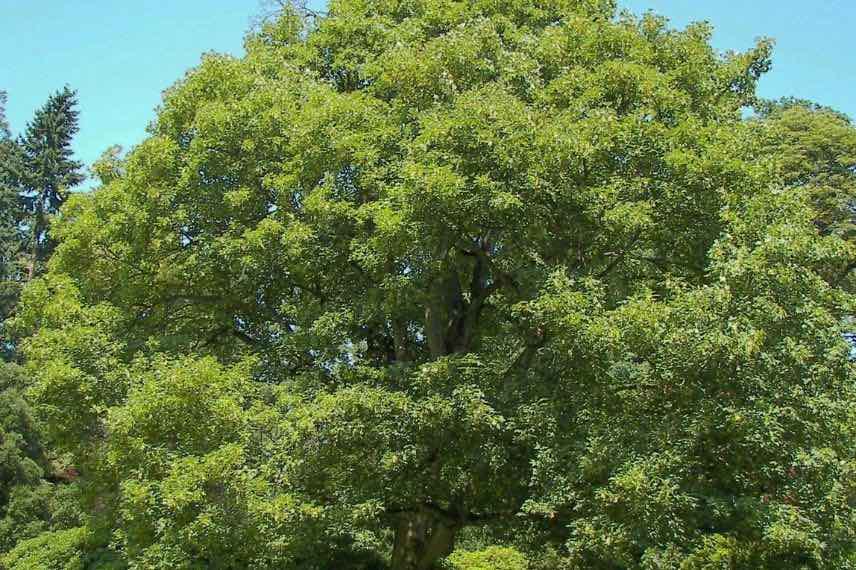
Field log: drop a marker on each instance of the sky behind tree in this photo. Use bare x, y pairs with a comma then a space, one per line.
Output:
121, 56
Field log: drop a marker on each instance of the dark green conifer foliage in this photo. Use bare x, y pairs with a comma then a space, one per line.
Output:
4, 124
49, 171
11, 237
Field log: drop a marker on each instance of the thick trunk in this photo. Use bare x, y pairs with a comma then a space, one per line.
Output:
451, 317
421, 540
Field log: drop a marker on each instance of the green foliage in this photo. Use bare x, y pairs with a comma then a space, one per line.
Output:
816, 150
12, 240
34, 497
23, 499
71, 549
36, 173
12, 261
493, 558
29, 504
425, 265
62, 550
48, 171
108, 166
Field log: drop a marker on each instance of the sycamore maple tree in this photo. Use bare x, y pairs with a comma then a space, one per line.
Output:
423, 272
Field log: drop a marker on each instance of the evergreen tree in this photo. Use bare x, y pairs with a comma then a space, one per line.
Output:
49, 171
11, 236
4, 124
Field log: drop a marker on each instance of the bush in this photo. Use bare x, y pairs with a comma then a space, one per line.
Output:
72, 549
62, 550
493, 558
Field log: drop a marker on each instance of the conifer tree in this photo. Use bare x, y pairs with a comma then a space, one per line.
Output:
11, 242
49, 171
4, 124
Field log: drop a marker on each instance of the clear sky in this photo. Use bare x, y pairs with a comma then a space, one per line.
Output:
121, 55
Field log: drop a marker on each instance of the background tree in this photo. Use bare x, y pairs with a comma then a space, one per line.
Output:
816, 150
36, 172
12, 239
4, 124
33, 497
49, 172
417, 274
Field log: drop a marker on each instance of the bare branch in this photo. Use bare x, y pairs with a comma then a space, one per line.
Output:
272, 9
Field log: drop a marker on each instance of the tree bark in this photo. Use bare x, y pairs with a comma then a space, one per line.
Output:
445, 305
421, 540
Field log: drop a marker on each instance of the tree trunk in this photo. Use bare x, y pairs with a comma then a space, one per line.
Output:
421, 540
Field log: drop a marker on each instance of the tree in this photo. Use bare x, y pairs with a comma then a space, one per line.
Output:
36, 172
422, 268
816, 149
33, 497
4, 124
11, 237
49, 172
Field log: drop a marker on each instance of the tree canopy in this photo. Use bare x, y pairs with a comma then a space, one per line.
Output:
11, 237
433, 273
817, 150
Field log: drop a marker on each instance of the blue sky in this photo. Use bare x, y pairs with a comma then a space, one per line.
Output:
121, 55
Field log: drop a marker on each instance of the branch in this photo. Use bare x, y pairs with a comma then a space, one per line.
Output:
658, 261
301, 7
465, 325
620, 257
455, 517
522, 360
241, 335
228, 330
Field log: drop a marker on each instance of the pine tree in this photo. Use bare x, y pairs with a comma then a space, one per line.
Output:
49, 171
36, 173
4, 125
11, 217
